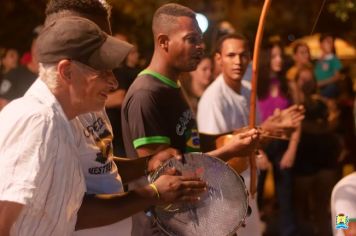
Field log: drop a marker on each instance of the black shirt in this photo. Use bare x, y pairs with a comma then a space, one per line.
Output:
316, 151
156, 112
125, 76
16, 82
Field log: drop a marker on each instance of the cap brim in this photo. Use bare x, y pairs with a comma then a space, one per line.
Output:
110, 55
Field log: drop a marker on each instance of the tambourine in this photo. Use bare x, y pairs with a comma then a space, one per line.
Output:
221, 210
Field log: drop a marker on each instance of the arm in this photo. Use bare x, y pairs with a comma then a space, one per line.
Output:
131, 169
112, 208
9, 212
106, 209
283, 122
330, 80
241, 145
295, 91
288, 158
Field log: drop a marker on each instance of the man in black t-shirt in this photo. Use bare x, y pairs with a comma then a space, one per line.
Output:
16, 83
155, 114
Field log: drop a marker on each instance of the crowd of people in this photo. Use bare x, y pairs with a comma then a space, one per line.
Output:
84, 122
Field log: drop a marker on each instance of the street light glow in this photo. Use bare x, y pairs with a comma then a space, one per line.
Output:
202, 22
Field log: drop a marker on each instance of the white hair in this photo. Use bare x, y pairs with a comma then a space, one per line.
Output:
49, 75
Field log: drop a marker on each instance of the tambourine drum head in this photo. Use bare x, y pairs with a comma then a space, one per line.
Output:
222, 208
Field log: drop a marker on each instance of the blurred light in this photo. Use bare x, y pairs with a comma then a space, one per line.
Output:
291, 37
202, 22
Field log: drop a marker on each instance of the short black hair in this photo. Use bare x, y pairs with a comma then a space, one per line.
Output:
225, 37
166, 15
90, 7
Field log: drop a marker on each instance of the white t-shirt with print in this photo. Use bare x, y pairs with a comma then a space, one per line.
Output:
94, 140
39, 164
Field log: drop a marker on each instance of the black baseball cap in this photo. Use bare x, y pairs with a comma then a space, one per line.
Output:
82, 40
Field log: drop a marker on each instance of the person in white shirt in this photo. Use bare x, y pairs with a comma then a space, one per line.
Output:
343, 201
42, 181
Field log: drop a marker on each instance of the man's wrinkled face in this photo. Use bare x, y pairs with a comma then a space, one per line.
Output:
185, 46
91, 87
233, 58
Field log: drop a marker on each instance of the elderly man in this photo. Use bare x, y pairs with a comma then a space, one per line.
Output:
42, 181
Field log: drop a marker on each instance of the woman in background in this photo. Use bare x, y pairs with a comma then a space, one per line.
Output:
301, 58
197, 81
273, 95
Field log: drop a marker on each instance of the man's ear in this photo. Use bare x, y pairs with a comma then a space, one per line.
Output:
64, 70
217, 58
163, 41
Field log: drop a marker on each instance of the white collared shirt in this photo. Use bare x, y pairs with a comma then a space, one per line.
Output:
39, 164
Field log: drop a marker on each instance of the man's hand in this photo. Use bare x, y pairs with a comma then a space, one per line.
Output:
243, 143
284, 122
159, 158
262, 161
179, 188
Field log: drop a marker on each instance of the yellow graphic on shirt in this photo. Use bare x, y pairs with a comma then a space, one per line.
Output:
103, 142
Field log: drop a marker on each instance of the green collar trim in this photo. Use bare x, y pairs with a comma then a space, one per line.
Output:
162, 78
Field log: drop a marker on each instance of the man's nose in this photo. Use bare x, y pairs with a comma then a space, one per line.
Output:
112, 80
238, 59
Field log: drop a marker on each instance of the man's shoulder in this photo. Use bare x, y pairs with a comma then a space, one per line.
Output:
146, 88
144, 81
345, 188
348, 180
26, 108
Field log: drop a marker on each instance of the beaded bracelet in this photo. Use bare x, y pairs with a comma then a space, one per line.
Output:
154, 187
